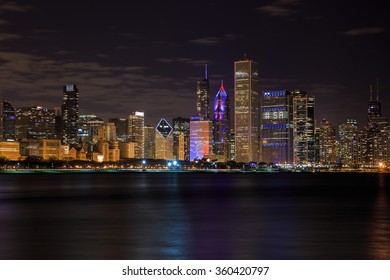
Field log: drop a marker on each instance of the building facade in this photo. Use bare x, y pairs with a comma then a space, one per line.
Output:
136, 133
121, 128
9, 122
70, 115
164, 141
246, 110
327, 143
348, 143
276, 127
221, 124
181, 138
303, 128
35, 122
201, 137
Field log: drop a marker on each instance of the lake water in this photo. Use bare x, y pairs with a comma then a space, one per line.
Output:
195, 216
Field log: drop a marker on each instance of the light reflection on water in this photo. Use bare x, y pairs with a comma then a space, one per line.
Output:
194, 216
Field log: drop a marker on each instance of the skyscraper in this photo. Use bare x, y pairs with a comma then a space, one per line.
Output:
164, 141
327, 143
70, 115
303, 127
150, 140
181, 138
246, 110
1, 116
121, 128
203, 96
136, 133
276, 127
201, 134
9, 121
35, 122
221, 129
348, 143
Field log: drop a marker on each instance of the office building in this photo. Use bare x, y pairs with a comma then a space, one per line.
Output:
10, 150
303, 128
181, 138
150, 141
276, 127
136, 133
70, 115
8, 122
348, 143
327, 143
1, 116
203, 96
35, 122
201, 135
164, 141
246, 110
121, 128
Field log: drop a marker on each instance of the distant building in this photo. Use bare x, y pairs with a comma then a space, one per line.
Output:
45, 148
349, 143
150, 141
127, 150
203, 96
246, 110
70, 115
1, 116
327, 143
10, 150
181, 138
221, 124
35, 122
201, 135
121, 128
303, 128
164, 141
276, 127
136, 133
9, 122
88, 131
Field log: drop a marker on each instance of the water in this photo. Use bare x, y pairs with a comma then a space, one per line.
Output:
195, 216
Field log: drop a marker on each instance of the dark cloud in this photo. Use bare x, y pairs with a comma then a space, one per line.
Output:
8, 36
185, 60
280, 8
10, 6
364, 31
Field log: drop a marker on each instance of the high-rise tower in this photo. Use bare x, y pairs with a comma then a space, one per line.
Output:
70, 115
1, 116
221, 128
9, 120
136, 133
246, 110
203, 96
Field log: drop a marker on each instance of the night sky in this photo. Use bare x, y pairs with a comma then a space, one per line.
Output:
146, 56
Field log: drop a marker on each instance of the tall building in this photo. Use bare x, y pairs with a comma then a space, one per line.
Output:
1, 116
201, 135
150, 140
348, 143
221, 128
276, 127
9, 122
70, 115
35, 122
88, 131
181, 138
303, 128
136, 133
327, 143
121, 128
203, 96
246, 110
164, 141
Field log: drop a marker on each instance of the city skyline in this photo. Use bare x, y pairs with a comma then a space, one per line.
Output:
130, 57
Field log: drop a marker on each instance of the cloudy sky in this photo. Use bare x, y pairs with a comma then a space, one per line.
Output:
147, 55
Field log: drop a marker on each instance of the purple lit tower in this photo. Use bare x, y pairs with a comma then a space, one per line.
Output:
221, 124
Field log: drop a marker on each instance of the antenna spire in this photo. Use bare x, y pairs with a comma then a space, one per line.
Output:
377, 88
206, 74
221, 83
371, 92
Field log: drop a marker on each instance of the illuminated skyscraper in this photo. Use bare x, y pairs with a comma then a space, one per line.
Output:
327, 143
121, 128
9, 121
201, 134
70, 115
221, 129
35, 122
136, 133
203, 96
246, 110
303, 127
150, 141
181, 138
276, 127
1, 116
348, 143
164, 141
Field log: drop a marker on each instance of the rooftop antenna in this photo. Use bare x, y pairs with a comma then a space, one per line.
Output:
206, 74
221, 83
377, 88
371, 92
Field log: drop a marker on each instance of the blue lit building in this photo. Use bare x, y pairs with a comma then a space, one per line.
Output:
221, 128
201, 135
276, 127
